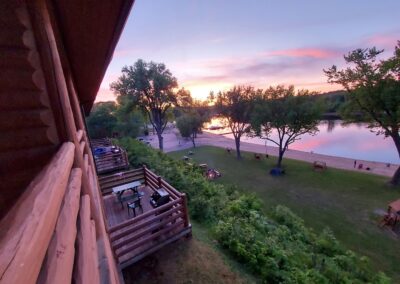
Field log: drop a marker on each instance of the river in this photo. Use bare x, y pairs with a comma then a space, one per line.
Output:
334, 138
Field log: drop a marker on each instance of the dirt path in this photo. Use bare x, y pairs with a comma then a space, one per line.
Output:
173, 143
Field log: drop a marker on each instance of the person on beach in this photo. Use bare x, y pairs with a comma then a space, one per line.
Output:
355, 163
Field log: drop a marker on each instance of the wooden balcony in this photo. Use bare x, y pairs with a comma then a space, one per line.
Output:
133, 238
114, 159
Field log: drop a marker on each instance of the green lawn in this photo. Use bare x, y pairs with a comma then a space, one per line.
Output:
345, 201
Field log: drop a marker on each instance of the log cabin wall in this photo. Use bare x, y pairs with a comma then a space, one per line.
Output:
29, 134
52, 227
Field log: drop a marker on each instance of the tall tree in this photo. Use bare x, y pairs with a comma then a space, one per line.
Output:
189, 124
236, 106
373, 88
102, 120
152, 87
290, 113
129, 117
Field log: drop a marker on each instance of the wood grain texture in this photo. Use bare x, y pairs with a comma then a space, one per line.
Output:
27, 228
58, 264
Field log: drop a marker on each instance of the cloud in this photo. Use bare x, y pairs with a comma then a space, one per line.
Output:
384, 40
319, 53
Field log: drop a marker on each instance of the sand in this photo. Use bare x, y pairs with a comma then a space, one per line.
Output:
172, 142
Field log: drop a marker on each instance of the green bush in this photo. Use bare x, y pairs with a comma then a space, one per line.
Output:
275, 246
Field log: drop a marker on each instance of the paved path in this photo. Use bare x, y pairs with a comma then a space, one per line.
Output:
172, 142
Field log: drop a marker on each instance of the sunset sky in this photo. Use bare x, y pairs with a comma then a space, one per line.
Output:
211, 45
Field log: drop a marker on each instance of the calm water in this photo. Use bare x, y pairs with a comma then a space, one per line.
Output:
354, 141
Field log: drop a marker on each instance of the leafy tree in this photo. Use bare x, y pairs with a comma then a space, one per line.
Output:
102, 120
373, 88
291, 114
236, 106
129, 117
189, 124
151, 85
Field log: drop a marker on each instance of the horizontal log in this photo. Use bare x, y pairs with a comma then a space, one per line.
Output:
139, 225
142, 216
25, 138
22, 99
79, 135
114, 181
12, 161
152, 185
27, 228
134, 246
86, 262
156, 225
21, 119
59, 261
170, 188
131, 260
82, 146
18, 79
118, 175
14, 57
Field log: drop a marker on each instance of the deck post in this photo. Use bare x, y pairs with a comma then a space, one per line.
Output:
145, 174
159, 181
186, 211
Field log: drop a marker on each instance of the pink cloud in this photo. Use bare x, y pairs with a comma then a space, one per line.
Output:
384, 40
318, 53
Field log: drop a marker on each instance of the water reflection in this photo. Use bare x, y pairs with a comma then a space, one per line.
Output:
335, 138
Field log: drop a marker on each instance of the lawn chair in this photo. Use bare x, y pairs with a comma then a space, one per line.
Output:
133, 205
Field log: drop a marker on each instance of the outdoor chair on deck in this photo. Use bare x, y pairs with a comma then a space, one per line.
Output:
133, 205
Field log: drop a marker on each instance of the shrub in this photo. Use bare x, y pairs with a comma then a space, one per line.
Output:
275, 246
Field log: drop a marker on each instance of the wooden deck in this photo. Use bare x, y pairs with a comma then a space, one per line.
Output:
132, 238
117, 214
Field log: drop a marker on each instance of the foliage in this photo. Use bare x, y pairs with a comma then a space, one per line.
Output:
291, 114
102, 120
108, 118
373, 92
189, 125
236, 106
275, 246
152, 87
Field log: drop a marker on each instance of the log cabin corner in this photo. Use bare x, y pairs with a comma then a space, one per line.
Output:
57, 220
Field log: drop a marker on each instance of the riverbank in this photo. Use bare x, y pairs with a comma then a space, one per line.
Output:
172, 142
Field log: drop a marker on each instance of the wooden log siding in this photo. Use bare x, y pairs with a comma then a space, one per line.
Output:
27, 228
58, 264
154, 182
110, 181
86, 265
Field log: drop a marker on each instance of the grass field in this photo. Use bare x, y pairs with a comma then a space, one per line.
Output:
350, 203
194, 260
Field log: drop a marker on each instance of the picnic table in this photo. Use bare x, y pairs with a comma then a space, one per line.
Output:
121, 188
119, 191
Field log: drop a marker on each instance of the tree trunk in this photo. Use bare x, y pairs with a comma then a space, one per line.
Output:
237, 142
280, 158
160, 141
193, 137
396, 177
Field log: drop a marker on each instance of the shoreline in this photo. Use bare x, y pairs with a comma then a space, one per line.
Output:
172, 142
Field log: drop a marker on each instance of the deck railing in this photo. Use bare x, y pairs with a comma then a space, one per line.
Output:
39, 234
144, 234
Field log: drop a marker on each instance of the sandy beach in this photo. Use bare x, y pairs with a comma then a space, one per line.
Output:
173, 142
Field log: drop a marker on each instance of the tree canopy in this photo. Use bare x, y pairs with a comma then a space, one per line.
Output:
373, 88
290, 113
102, 120
236, 107
152, 87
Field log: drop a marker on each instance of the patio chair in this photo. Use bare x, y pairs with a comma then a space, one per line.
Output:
133, 205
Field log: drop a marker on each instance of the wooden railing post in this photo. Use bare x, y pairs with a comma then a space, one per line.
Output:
145, 174
159, 181
186, 211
